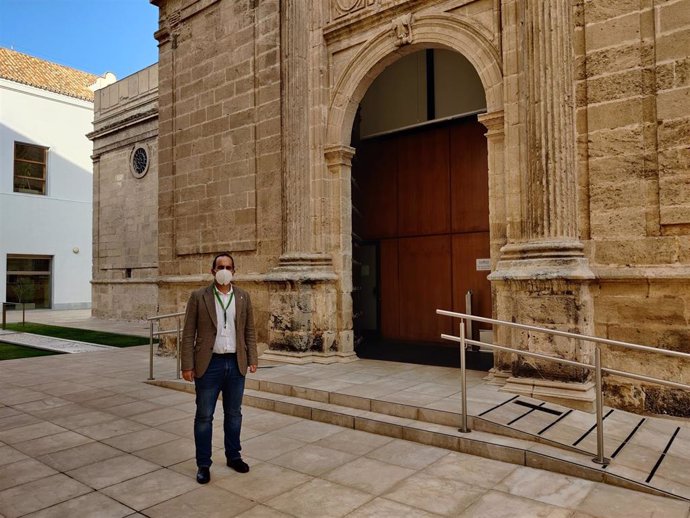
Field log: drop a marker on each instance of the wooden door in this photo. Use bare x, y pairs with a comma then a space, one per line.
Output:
424, 201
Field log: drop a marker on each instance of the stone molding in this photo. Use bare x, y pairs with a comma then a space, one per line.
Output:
338, 156
340, 8
401, 29
453, 32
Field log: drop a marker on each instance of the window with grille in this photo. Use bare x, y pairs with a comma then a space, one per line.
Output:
30, 168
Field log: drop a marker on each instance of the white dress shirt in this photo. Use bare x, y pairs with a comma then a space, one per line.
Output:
226, 340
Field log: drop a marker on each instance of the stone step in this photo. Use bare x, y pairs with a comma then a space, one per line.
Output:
487, 439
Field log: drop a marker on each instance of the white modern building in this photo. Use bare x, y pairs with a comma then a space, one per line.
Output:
46, 111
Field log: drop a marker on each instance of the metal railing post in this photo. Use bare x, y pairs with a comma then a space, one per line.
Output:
151, 350
463, 378
179, 360
599, 459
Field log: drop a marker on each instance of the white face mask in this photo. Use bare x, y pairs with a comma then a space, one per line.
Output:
223, 277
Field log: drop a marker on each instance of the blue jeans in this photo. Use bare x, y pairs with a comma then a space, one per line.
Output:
224, 376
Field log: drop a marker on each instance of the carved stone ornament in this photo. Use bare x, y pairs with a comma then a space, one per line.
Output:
341, 8
401, 29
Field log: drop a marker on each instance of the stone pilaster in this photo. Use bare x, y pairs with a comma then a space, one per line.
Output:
542, 275
306, 304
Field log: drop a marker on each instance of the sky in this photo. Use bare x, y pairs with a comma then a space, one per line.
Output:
95, 36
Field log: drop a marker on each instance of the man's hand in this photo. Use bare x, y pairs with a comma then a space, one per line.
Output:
188, 375
252, 368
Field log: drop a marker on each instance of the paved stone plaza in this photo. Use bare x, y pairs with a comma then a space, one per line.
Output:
83, 435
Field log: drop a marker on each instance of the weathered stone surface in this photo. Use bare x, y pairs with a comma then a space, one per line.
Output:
588, 120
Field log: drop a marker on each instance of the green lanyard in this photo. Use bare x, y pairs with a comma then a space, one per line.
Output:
225, 308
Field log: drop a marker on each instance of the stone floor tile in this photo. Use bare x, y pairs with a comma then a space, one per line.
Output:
204, 502
42, 404
169, 453
615, 502
52, 443
248, 433
382, 508
319, 498
112, 471
18, 396
309, 431
74, 422
261, 511
218, 471
82, 455
269, 446
151, 489
72, 409
140, 440
312, 459
436, 495
368, 475
111, 429
9, 455
130, 409
172, 399
87, 395
354, 441
110, 401
32, 431
39, 494
182, 427
270, 421
495, 504
23, 471
471, 470
407, 454
263, 482
92, 504
157, 417
6, 411
547, 487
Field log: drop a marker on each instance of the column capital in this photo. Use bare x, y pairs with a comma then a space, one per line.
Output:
338, 155
493, 122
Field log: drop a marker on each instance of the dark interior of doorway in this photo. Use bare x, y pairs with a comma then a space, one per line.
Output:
371, 346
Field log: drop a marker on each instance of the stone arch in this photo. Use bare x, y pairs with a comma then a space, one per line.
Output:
456, 33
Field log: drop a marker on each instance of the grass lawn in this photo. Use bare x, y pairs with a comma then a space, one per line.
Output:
12, 352
80, 335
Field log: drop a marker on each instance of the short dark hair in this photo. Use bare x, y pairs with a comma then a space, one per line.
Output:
222, 254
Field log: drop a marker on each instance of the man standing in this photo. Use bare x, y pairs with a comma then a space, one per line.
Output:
218, 345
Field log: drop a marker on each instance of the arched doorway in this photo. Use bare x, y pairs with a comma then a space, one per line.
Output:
420, 210
438, 31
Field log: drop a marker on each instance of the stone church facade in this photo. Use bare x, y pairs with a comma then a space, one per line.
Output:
254, 134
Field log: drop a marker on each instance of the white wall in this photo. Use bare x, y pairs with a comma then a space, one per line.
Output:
56, 223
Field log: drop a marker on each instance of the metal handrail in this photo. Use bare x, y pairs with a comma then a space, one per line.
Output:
157, 319
597, 367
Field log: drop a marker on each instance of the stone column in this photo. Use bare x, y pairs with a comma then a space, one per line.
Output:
295, 88
542, 276
305, 302
339, 192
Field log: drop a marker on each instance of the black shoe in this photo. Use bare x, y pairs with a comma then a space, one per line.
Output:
203, 475
238, 465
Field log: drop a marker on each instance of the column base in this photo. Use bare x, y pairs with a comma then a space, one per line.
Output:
580, 396
497, 377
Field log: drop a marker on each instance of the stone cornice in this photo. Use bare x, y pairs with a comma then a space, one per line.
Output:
371, 15
132, 120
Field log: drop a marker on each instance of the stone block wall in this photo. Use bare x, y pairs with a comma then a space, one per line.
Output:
634, 136
125, 222
219, 145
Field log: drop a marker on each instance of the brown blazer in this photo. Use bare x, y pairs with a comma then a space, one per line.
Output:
199, 332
